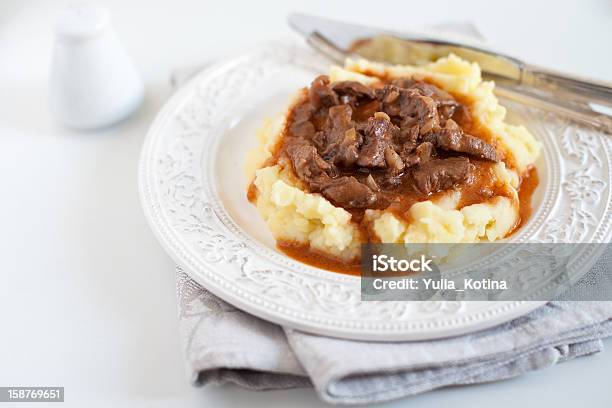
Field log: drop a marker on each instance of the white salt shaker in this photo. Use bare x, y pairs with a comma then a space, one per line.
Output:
93, 82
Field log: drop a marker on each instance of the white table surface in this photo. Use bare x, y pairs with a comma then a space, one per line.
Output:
87, 295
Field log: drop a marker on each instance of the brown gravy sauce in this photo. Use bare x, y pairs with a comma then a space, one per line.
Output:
478, 191
529, 183
318, 259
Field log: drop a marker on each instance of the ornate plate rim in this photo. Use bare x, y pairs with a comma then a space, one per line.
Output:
419, 329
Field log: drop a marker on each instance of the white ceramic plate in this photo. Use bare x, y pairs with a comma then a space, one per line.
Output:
192, 187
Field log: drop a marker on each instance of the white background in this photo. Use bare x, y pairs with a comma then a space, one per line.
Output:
87, 295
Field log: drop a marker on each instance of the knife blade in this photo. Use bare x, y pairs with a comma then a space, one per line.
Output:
416, 49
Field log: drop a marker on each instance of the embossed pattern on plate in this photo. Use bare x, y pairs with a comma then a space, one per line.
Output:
193, 195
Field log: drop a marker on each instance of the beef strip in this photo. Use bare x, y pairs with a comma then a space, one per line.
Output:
378, 136
389, 95
321, 94
446, 112
408, 137
303, 112
445, 103
439, 95
457, 141
308, 165
348, 192
301, 126
411, 106
353, 88
304, 130
423, 109
441, 174
341, 139
451, 124
365, 109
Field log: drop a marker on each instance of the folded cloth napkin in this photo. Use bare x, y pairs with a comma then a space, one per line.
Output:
225, 345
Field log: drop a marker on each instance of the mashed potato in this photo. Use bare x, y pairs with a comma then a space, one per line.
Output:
296, 216
310, 219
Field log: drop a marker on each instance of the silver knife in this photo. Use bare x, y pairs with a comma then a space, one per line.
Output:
584, 100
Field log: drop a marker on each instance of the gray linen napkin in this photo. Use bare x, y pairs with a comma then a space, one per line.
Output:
223, 344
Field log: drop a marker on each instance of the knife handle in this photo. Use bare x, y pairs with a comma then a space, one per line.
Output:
569, 87
584, 116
